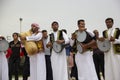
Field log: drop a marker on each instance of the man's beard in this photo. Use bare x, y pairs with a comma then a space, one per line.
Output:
34, 31
109, 27
55, 30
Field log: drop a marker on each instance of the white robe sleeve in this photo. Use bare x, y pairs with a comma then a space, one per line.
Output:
117, 41
91, 33
65, 38
36, 37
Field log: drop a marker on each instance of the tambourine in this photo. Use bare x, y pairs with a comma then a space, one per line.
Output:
81, 36
3, 45
57, 47
104, 45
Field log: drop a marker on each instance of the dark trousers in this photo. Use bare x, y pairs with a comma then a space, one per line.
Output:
74, 72
26, 68
98, 58
49, 74
13, 69
26, 65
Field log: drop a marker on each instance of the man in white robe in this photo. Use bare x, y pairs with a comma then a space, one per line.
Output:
112, 59
37, 61
3, 65
84, 60
58, 60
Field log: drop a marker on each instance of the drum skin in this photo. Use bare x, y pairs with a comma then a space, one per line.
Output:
81, 36
104, 45
57, 47
31, 47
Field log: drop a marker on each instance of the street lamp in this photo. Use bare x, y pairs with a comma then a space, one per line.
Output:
20, 24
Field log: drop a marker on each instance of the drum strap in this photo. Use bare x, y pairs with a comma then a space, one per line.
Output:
60, 36
51, 40
88, 39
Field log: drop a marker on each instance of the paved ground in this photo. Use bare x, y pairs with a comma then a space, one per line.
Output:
20, 78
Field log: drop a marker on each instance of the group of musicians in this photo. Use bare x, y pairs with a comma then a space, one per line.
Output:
85, 60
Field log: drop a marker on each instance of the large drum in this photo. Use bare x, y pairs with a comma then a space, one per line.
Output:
57, 47
3, 45
81, 36
104, 45
30, 46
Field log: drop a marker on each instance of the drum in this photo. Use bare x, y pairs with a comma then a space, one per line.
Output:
57, 47
104, 45
30, 46
79, 48
3, 45
81, 36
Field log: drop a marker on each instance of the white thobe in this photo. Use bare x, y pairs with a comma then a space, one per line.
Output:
72, 42
85, 64
112, 61
46, 50
37, 61
3, 67
59, 61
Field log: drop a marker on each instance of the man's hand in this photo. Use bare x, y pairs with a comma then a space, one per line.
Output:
22, 38
49, 45
60, 41
112, 39
101, 39
84, 47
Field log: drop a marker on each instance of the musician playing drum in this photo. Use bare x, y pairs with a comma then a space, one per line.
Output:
58, 59
83, 59
37, 60
3, 64
112, 56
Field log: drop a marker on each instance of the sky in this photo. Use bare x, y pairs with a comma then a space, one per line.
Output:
65, 12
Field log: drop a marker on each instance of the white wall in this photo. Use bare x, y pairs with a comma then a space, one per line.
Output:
66, 12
